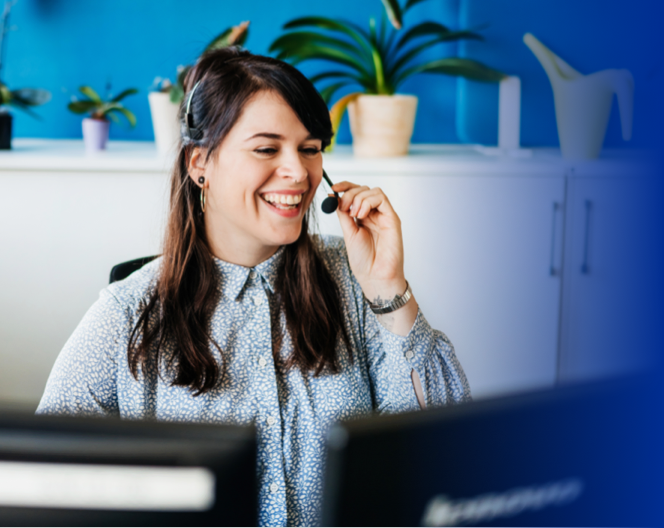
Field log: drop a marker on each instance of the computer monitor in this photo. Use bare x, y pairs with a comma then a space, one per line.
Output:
578, 456
67, 471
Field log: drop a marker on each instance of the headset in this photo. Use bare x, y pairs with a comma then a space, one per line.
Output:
330, 203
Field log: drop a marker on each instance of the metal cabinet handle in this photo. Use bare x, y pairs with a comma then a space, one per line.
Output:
552, 267
585, 269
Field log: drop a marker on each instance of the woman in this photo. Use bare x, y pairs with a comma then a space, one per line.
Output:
247, 318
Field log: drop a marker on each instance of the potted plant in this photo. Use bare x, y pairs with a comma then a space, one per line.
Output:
23, 98
379, 60
166, 97
95, 127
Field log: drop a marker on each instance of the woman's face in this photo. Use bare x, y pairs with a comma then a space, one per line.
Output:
260, 181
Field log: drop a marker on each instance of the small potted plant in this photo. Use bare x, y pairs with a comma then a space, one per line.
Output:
95, 127
23, 98
166, 97
379, 61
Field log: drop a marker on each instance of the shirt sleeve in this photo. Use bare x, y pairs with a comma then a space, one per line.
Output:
83, 379
392, 358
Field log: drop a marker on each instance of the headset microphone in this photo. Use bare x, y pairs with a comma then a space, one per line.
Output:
330, 203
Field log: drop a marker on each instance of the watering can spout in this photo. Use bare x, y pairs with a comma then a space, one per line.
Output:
555, 67
583, 102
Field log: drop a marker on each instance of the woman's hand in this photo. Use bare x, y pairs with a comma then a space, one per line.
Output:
372, 231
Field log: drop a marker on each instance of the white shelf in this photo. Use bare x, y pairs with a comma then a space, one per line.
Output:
69, 155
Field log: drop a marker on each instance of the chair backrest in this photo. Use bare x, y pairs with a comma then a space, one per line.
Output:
124, 269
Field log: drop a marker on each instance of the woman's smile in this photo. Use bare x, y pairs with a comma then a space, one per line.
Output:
284, 203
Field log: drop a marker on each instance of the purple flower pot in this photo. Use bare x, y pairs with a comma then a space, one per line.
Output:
95, 134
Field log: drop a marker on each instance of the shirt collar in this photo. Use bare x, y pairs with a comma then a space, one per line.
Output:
234, 277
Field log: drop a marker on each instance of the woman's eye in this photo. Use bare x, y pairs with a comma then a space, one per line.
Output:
311, 151
266, 151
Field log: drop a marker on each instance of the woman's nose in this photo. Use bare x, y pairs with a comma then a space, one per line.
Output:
293, 168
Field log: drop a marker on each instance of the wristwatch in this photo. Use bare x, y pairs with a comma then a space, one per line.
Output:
395, 304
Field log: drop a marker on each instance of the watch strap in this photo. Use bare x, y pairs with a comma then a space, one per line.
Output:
397, 302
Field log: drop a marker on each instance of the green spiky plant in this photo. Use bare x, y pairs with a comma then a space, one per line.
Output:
378, 60
98, 108
232, 36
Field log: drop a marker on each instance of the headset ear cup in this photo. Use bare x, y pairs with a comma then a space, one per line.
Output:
330, 204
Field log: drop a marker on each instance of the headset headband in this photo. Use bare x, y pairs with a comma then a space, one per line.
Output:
194, 133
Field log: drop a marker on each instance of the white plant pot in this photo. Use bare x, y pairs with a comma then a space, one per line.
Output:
165, 121
382, 125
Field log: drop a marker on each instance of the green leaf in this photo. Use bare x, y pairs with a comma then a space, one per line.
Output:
327, 92
82, 107
89, 92
122, 95
348, 28
396, 65
293, 41
410, 4
31, 96
467, 68
233, 36
393, 11
25, 108
125, 112
176, 94
312, 51
426, 29
5, 94
333, 74
220, 41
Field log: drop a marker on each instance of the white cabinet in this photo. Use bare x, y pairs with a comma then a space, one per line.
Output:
611, 302
488, 252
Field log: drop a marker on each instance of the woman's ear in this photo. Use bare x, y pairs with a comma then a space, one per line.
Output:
197, 164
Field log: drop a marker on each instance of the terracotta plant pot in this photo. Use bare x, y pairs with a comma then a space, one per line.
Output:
165, 121
95, 134
382, 125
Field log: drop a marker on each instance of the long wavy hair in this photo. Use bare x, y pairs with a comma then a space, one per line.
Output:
179, 309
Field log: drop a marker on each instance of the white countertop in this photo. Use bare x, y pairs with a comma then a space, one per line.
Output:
60, 155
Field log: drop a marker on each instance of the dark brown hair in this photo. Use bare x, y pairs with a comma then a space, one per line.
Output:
180, 308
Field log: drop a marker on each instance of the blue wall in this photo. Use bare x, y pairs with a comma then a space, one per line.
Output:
61, 44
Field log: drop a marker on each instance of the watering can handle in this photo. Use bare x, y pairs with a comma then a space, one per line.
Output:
623, 84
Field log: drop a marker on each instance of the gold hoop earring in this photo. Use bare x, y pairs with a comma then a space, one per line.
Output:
203, 199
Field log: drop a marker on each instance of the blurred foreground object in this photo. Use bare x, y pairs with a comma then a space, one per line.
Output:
585, 455
583, 102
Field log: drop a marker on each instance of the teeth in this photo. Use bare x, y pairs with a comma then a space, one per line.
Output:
286, 199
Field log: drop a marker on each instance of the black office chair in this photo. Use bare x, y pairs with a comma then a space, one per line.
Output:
124, 269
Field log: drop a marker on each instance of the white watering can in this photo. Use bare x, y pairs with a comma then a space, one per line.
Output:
583, 102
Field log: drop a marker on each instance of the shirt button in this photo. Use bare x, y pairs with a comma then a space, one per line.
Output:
258, 301
409, 354
274, 488
252, 274
262, 362
270, 421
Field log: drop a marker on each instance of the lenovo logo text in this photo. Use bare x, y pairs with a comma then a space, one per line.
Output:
443, 511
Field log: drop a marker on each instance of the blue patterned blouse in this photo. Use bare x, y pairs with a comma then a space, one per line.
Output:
291, 410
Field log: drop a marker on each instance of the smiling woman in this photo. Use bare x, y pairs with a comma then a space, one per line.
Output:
248, 318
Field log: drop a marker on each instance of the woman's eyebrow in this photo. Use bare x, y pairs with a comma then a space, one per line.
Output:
271, 135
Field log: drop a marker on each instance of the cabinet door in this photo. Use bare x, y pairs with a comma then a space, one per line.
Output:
612, 284
478, 254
